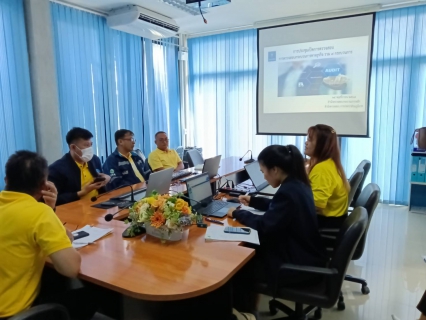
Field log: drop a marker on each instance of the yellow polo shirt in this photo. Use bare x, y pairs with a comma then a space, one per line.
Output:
86, 177
163, 159
29, 232
329, 191
135, 169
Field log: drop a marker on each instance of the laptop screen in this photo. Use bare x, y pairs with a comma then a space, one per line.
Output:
256, 176
193, 181
201, 192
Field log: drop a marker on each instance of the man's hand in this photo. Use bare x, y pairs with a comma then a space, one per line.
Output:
245, 200
50, 194
107, 178
89, 187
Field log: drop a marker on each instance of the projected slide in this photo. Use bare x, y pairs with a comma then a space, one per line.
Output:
314, 72
320, 76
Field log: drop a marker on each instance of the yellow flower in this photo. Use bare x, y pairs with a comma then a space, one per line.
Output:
178, 206
150, 200
158, 219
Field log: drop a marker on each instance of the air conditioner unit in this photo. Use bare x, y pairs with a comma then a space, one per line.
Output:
142, 22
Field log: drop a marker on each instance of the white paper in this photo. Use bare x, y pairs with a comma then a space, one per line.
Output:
217, 233
252, 210
94, 235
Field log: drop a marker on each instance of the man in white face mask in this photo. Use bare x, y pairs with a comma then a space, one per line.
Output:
78, 174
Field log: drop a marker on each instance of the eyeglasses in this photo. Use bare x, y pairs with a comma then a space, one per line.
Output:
163, 140
130, 139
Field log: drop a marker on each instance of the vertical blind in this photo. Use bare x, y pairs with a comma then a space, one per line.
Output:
16, 113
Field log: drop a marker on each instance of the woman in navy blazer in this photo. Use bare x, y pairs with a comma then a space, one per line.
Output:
288, 231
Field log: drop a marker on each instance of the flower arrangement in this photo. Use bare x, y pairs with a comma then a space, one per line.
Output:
164, 212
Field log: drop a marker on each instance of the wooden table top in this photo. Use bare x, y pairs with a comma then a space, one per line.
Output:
143, 267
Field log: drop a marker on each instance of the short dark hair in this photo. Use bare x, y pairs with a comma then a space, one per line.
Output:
159, 133
26, 172
78, 133
287, 158
119, 134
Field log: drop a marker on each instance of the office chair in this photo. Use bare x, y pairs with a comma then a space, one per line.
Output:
194, 158
180, 150
50, 311
364, 165
146, 167
354, 182
327, 292
368, 199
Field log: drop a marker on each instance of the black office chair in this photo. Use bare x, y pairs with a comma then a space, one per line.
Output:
369, 199
50, 311
365, 165
327, 292
354, 182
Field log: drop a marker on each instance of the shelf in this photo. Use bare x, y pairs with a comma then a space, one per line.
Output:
420, 183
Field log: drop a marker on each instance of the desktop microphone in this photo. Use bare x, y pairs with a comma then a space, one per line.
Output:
94, 198
248, 160
109, 216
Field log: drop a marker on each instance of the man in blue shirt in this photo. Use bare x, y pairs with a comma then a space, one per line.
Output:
123, 165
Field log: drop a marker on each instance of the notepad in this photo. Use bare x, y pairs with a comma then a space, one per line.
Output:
94, 235
217, 233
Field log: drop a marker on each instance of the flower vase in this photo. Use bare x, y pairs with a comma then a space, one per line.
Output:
164, 233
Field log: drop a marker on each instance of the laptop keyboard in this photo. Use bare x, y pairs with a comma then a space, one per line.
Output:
212, 207
181, 174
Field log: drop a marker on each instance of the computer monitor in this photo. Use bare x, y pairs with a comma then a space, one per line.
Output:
201, 192
193, 181
256, 176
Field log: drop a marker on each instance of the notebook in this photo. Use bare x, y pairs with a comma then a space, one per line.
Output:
94, 235
217, 233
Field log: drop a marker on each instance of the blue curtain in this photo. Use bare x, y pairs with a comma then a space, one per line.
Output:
110, 80
222, 95
81, 72
16, 113
399, 75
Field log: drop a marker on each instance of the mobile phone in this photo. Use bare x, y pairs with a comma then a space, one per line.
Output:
99, 179
237, 230
79, 235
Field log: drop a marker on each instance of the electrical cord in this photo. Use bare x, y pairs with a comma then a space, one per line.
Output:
201, 12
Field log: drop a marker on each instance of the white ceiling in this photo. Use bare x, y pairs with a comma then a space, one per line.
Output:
237, 14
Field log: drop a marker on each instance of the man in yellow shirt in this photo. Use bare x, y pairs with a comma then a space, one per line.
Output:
30, 231
124, 165
75, 173
162, 157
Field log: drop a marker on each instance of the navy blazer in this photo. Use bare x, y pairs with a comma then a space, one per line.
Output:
66, 176
288, 231
121, 171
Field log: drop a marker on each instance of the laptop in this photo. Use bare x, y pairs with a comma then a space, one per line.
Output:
202, 194
259, 182
158, 181
211, 166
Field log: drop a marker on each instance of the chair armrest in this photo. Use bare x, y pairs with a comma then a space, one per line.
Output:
325, 236
309, 269
40, 310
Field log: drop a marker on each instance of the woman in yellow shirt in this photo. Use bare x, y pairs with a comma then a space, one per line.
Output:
328, 180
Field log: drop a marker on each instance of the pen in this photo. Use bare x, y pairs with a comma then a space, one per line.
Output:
84, 242
214, 221
64, 223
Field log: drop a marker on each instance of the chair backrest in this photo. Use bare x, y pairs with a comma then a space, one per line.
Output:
194, 158
354, 182
364, 165
50, 311
140, 154
180, 150
368, 199
349, 235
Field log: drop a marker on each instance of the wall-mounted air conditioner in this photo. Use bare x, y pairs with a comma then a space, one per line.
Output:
142, 22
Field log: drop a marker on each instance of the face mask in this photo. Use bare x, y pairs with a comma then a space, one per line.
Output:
86, 154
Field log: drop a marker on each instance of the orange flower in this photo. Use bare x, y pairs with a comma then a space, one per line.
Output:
157, 220
185, 210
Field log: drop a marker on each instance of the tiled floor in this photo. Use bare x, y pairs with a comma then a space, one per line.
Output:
393, 266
